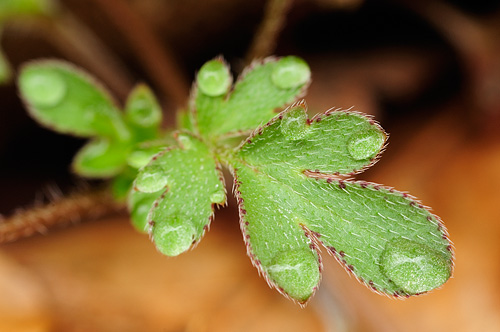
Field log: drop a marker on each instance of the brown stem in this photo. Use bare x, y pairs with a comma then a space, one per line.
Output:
79, 44
264, 41
70, 209
156, 58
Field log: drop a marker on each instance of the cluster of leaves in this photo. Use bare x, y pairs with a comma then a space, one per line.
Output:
13, 9
290, 174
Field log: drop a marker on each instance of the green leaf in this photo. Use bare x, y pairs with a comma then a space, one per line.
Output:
143, 152
143, 113
185, 121
101, 158
189, 183
387, 239
327, 143
122, 183
139, 204
275, 240
261, 89
68, 100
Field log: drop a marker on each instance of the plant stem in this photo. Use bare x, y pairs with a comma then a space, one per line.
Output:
264, 41
77, 42
74, 208
156, 58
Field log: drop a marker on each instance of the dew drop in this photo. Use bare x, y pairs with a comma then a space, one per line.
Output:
293, 124
185, 141
214, 78
296, 272
43, 88
413, 266
143, 112
365, 145
151, 179
218, 197
290, 72
174, 236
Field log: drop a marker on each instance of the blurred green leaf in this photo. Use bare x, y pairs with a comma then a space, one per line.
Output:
68, 100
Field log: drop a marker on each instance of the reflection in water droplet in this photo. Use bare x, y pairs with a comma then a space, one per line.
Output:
413, 266
293, 124
365, 145
296, 272
173, 236
143, 113
43, 88
290, 72
214, 78
151, 179
185, 141
218, 197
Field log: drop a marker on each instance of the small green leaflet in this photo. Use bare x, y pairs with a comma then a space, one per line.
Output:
261, 89
186, 182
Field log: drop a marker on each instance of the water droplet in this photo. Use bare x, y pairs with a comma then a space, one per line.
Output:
185, 141
365, 145
413, 266
174, 236
293, 124
143, 113
43, 88
290, 72
214, 78
296, 271
218, 197
151, 179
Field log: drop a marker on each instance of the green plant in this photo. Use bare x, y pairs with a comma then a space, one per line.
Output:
291, 173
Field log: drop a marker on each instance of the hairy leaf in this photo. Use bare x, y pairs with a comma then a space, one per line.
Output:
187, 182
335, 142
261, 89
387, 239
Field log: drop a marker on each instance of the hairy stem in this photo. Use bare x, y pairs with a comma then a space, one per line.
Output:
264, 41
73, 208
156, 58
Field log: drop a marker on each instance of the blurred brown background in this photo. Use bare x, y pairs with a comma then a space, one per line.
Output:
428, 70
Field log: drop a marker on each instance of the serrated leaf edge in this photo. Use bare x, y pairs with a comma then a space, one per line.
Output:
255, 262
412, 200
317, 118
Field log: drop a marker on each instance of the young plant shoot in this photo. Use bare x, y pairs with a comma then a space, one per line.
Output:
291, 173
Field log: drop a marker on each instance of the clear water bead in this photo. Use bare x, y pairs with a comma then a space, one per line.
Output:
296, 271
413, 266
290, 72
214, 78
366, 144
173, 236
293, 124
43, 87
151, 179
